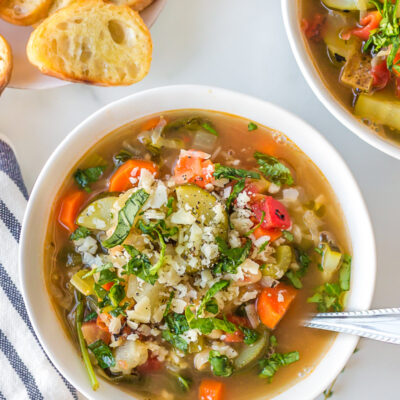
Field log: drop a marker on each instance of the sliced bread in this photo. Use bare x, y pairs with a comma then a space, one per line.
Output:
5, 63
94, 42
24, 12
137, 5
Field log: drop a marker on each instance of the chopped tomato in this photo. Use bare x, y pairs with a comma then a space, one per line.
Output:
70, 207
121, 180
211, 390
272, 304
92, 332
151, 365
107, 286
237, 336
151, 124
275, 213
313, 28
194, 167
368, 23
381, 75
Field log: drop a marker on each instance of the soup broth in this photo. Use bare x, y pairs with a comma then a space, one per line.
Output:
316, 223
356, 75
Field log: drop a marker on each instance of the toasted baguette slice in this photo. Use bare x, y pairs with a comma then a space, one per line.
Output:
5, 63
55, 5
93, 42
137, 5
24, 12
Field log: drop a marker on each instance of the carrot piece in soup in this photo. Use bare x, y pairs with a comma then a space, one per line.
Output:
120, 181
272, 304
150, 124
194, 167
273, 234
70, 207
92, 332
211, 390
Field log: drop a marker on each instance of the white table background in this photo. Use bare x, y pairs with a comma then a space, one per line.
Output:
241, 46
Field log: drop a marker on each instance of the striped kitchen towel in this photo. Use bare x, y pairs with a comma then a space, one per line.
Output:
26, 371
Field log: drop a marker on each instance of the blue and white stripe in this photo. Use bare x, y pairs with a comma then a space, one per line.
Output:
27, 372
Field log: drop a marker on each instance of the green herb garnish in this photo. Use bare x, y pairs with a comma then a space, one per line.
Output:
84, 177
220, 364
230, 258
80, 233
252, 126
139, 265
214, 289
295, 276
126, 218
269, 366
273, 169
102, 353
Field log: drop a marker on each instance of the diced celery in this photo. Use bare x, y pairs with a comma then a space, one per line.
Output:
85, 286
283, 257
252, 352
350, 5
330, 261
196, 347
380, 108
98, 215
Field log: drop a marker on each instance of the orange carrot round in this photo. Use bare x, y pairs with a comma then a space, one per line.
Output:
211, 390
120, 181
70, 207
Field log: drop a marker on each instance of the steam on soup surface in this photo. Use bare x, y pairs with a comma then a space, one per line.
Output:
183, 250
355, 45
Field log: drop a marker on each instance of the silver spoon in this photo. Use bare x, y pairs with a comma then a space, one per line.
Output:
382, 325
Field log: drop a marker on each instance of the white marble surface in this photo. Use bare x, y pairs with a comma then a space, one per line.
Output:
240, 46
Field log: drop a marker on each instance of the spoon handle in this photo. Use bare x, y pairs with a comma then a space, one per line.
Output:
382, 325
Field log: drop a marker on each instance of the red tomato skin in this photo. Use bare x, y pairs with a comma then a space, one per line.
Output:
276, 215
381, 75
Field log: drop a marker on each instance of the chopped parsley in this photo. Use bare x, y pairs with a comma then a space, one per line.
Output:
231, 173
84, 177
220, 364
139, 265
269, 366
273, 169
214, 289
252, 126
122, 157
330, 296
295, 276
230, 258
102, 353
80, 233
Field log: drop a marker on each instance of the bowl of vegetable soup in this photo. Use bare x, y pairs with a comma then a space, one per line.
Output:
177, 238
348, 52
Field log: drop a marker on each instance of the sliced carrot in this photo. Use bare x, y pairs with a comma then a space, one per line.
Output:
273, 234
70, 207
150, 124
272, 304
120, 181
211, 390
107, 286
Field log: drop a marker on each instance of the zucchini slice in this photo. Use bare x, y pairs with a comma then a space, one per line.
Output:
97, 215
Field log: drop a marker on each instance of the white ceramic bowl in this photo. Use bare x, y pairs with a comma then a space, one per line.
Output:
291, 17
48, 328
25, 75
